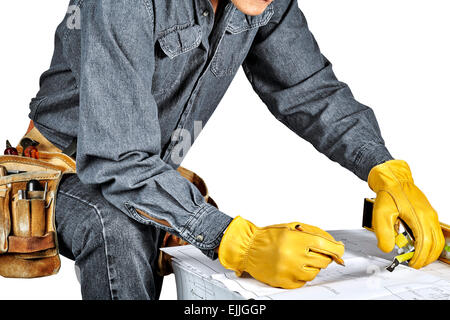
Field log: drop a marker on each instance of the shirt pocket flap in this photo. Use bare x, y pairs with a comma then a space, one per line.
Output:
180, 39
241, 22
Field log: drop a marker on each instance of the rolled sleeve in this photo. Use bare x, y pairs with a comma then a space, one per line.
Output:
297, 83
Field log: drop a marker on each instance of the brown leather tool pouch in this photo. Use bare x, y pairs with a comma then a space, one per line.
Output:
28, 241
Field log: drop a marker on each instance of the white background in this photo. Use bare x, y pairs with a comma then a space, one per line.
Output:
393, 54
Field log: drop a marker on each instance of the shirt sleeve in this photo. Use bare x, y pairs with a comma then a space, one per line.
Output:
119, 135
297, 83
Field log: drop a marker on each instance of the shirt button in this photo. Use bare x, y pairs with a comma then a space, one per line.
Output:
199, 238
205, 13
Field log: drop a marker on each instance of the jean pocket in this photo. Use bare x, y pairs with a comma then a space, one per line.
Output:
172, 52
236, 41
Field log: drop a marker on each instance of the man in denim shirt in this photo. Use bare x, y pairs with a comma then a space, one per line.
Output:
130, 79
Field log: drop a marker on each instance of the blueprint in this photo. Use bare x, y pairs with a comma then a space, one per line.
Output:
363, 277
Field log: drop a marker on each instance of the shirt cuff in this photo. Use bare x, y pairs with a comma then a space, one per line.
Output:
368, 157
205, 229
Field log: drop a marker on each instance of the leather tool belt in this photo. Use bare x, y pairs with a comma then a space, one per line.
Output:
28, 239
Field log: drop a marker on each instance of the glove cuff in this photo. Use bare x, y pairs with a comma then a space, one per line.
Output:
389, 173
236, 243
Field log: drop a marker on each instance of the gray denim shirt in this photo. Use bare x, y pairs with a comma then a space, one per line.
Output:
134, 79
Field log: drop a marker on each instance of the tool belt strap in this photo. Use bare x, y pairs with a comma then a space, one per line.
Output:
31, 244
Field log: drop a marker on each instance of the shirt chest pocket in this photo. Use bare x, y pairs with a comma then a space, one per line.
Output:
237, 40
173, 51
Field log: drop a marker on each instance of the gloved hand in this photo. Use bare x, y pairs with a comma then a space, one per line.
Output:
398, 197
283, 255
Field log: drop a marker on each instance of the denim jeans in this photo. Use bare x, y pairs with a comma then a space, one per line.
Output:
116, 255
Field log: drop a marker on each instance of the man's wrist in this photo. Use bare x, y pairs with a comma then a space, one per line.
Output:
370, 156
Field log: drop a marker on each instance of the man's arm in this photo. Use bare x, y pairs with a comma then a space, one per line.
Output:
297, 83
119, 135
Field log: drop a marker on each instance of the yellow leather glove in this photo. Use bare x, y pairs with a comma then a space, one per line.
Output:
283, 255
398, 197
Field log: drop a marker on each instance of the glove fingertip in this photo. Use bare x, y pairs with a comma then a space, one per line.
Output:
414, 264
386, 245
292, 284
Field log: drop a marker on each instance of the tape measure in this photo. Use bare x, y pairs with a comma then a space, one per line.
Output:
404, 241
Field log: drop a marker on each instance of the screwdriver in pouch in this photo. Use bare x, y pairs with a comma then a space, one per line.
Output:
34, 185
